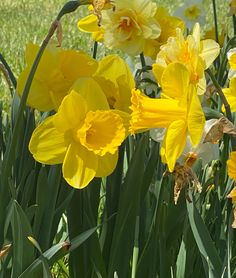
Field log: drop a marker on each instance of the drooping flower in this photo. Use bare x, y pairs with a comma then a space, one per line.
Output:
179, 110
230, 94
57, 71
168, 25
129, 25
84, 135
231, 164
191, 11
195, 54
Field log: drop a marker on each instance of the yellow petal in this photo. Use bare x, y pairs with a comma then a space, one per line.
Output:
93, 94
196, 120
201, 86
175, 85
158, 70
79, 166
39, 94
174, 143
209, 51
89, 24
106, 164
47, 144
75, 64
112, 67
71, 113
196, 34
48, 61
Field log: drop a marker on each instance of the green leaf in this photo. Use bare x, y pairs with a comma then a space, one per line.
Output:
203, 240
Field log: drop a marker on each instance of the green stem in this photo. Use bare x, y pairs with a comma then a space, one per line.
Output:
9, 71
234, 24
142, 59
215, 20
95, 48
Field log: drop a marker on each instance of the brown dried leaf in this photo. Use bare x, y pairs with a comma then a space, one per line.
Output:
217, 130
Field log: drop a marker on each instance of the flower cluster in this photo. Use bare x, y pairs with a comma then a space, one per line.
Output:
97, 103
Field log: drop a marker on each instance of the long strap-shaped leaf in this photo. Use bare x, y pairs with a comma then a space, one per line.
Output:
203, 240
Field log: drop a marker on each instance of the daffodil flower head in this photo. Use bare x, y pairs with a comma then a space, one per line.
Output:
84, 135
176, 85
191, 11
195, 54
129, 25
58, 69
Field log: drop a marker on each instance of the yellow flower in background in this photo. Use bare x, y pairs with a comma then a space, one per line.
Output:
84, 135
195, 54
231, 164
89, 24
230, 94
57, 71
116, 80
168, 25
190, 12
129, 25
179, 109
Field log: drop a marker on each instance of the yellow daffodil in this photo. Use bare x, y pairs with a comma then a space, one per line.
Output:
116, 80
84, 135
179, 110
196, 55
168, 25
191, 11
230, 94
57, 71
129, 25
231, 163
